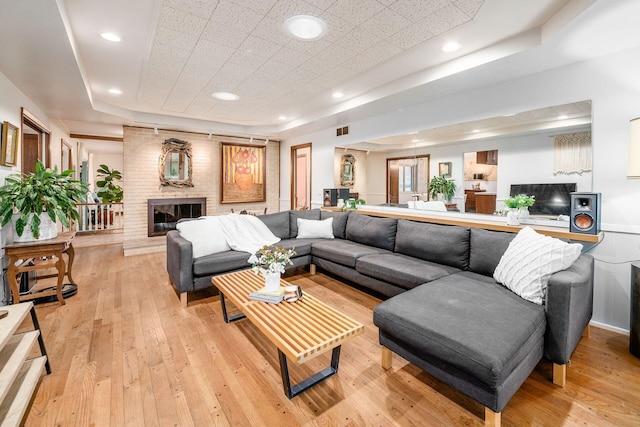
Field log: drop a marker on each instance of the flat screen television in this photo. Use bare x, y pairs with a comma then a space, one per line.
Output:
551, 199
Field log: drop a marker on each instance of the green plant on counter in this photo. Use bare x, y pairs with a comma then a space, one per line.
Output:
351, 204
441, 185
519, 201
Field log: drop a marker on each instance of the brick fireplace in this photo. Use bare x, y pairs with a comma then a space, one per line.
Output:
163, 214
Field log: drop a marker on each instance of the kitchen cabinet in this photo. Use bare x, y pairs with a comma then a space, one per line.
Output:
487, 157
470, 200
485, 203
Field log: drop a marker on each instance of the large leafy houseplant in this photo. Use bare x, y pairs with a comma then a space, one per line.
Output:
441, 185
44, 191
108, 189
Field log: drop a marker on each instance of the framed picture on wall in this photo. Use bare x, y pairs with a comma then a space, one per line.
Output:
243, 173
444, 169
9, 144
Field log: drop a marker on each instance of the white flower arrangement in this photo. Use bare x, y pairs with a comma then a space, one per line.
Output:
271, 259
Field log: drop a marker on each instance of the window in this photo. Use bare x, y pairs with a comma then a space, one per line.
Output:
406, 178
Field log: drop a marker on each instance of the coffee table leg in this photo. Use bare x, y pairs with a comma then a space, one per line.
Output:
292, 391
225, 315
43, 350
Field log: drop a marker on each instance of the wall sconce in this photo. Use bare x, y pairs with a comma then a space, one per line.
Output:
633, 170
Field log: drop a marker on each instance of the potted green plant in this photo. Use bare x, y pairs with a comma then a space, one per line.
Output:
518, 207
441, 185
520, 201
108, 189
36, 201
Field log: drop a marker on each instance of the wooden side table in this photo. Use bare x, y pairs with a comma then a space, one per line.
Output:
51, 251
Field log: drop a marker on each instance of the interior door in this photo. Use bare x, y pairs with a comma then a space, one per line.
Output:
30, 152
394, 182
34, 143
301, 177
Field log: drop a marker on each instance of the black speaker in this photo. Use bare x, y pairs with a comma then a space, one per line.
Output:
585, 213
331, 196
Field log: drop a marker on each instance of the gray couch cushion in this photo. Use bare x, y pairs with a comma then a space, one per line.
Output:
468, 321
371, 231
221, 262
339, 222
301, 246
293, 219
486, 249
343, 251
278, 223
402, 270
442, 244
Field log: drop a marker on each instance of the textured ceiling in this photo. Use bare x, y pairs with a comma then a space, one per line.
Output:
240, 46
382, 54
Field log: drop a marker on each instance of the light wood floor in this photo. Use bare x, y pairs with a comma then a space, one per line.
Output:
123, 352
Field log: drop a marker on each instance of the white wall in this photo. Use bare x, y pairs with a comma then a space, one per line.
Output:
609, 81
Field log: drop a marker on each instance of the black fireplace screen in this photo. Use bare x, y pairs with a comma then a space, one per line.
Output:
163, 214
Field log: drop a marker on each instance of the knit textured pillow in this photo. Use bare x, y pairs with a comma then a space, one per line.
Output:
530, 260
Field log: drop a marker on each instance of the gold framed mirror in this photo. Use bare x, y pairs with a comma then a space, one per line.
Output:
175, 163
347, 170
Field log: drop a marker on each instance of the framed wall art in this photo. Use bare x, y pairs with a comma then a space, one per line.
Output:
10, 134
243, 173
444, 169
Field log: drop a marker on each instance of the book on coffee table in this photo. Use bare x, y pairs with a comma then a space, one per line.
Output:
266, 296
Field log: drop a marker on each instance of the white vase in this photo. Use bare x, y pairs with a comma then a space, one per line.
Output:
272, 282
512, 217
523, 213
48, 229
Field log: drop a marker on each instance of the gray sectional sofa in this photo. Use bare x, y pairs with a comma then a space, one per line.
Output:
445, 312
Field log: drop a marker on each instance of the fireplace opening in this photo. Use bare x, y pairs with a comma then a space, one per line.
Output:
163, 214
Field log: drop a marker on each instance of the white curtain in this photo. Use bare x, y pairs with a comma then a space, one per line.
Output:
572, 153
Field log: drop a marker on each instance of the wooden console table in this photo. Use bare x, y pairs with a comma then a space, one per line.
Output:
47, 254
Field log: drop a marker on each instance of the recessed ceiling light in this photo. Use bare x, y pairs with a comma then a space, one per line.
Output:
337, 94
225, 96
415, 140
282, 118
451, 46
563, 117
305, 27
112, 37
475, 131
115, 91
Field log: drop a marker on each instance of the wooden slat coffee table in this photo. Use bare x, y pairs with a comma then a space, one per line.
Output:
301, 330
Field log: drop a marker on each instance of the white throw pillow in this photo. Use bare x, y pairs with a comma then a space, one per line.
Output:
315, 229
205, 236
530, 260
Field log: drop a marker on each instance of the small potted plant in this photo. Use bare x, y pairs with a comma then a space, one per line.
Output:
36, 201
270, 262
518, 207
441, 188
